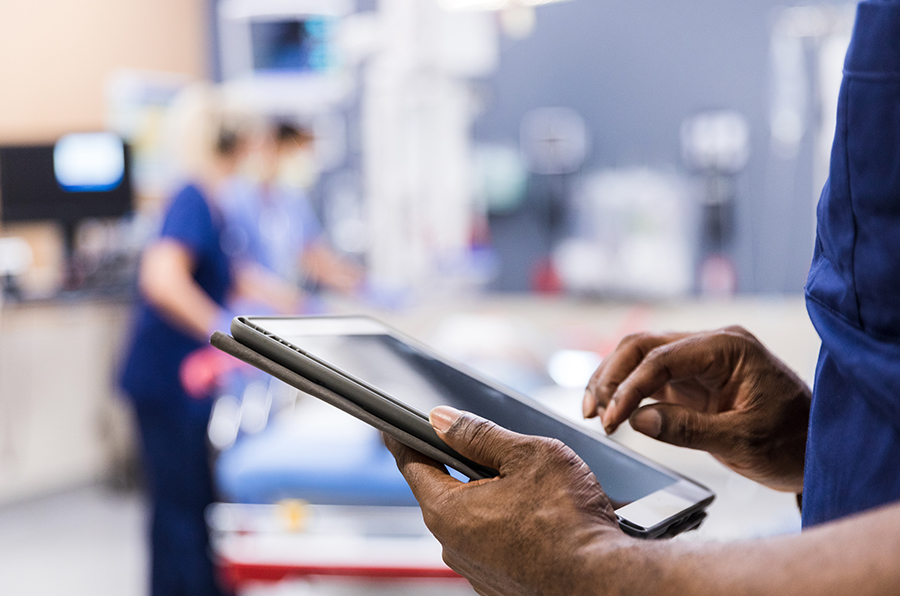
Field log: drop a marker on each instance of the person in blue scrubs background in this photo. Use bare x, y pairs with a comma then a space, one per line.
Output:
544, 525
186, 282
270, 220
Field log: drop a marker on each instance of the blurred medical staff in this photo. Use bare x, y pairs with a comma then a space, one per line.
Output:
271, 221
185, 281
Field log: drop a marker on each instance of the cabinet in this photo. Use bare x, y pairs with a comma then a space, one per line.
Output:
61, 420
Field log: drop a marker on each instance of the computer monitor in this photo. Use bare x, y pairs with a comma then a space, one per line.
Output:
81, 176
301, 45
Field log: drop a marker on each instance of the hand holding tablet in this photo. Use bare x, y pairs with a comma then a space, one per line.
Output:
390, 381
548, 505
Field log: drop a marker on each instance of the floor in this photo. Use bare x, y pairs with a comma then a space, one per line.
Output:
88, 541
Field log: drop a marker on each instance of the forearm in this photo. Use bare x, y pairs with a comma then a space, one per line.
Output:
327, 268
166, 282
255, 284
859, 556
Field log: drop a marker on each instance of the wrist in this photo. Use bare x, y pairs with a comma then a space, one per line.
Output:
619, 564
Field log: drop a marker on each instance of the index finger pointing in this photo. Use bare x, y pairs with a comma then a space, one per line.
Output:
692, 357
616, 367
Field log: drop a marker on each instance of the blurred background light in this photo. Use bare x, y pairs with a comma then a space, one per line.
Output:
491, 4
89, 161
573, 368
717, 141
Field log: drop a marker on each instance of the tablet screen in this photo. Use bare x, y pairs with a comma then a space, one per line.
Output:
418, 379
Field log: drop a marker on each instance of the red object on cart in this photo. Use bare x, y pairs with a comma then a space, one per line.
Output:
236, 574
271, 543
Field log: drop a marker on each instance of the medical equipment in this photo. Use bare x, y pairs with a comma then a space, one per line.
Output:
716, 146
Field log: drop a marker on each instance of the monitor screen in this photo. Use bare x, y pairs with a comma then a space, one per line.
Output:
300, 45
80, 176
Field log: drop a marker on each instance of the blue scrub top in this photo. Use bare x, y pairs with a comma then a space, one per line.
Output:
271, 229
853, 290
157, 349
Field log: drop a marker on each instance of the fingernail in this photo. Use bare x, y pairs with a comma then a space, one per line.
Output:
607, 416
588, 408
443, 417
648, 422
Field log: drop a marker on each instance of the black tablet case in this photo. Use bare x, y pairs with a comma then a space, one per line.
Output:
231, 346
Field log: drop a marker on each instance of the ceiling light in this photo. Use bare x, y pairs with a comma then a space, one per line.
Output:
490, 4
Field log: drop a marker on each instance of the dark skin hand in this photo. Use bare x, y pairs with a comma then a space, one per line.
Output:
560, 520
720, 391
545, 527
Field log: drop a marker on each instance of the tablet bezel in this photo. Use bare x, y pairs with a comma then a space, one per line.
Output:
649, 516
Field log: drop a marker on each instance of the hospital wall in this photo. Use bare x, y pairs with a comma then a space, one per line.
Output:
634, 69
55, 56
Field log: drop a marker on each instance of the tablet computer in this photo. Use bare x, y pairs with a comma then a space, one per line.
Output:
389, 377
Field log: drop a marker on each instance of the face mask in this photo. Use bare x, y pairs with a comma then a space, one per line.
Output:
253, 167
298, 169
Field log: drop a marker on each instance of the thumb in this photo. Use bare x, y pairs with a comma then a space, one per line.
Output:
478, 439
682, 426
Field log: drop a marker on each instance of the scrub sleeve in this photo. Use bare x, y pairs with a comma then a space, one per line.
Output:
853, 289
173, 425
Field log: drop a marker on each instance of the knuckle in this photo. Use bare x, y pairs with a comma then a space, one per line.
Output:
564, 470
656, 354
570, 458
687, 434
557, 454
478, 431
488, 440
657, 357
743, 346
634, 339
736, 329
555, 448
740, 333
